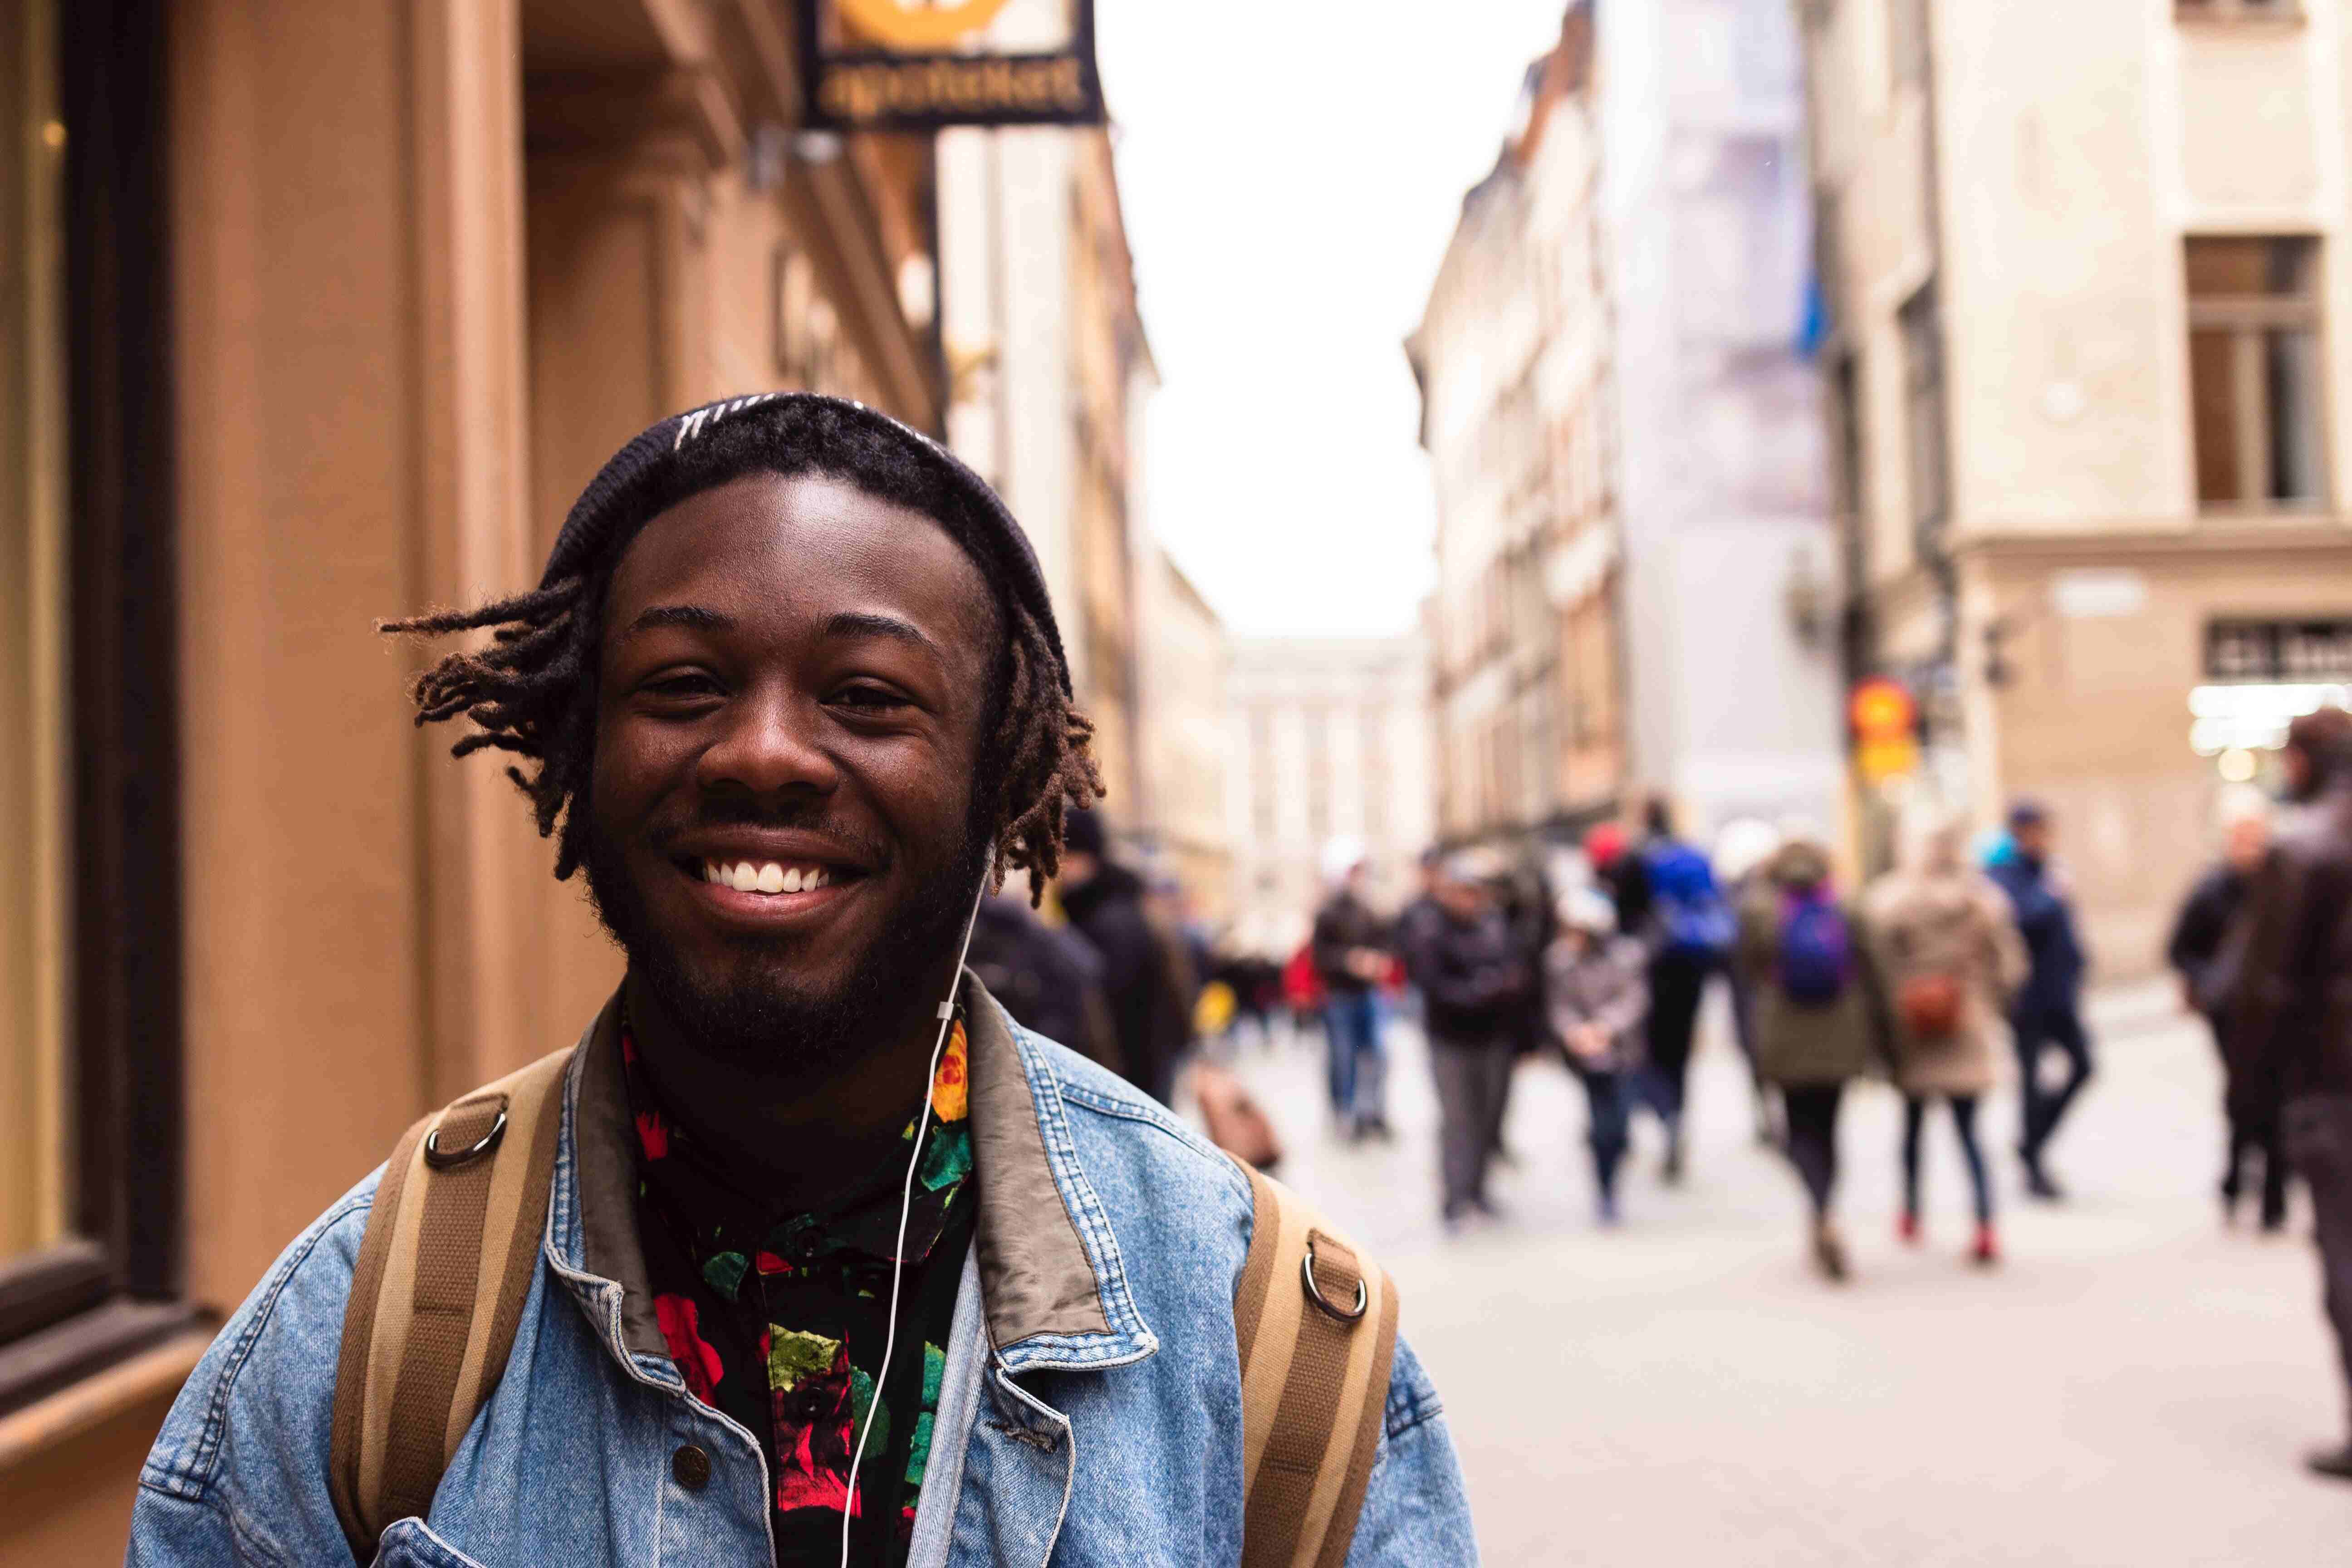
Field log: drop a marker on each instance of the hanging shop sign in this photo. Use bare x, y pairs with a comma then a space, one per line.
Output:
905, 65
1885, 729
2279, 653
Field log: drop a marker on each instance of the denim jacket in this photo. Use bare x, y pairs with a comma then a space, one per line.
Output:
1092, 1373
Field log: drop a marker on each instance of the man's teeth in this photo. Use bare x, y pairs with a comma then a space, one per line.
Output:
768, 877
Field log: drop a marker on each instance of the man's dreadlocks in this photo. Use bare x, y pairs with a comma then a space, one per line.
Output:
532, 689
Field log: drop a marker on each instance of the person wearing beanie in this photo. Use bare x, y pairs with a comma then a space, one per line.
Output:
2046, 1014
2290, 1027
829, 1260
1596, 996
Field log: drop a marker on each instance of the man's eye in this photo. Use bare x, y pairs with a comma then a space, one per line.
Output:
869, 698
687, 684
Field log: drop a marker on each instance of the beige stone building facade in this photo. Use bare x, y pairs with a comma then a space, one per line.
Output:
315, 314
1514, 358
1330, 740
2086, 283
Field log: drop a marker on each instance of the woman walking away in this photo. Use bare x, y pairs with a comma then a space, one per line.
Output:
1818, 1017
1952, 959
1596, 1000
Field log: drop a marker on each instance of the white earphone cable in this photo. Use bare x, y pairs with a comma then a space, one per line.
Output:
905, 1205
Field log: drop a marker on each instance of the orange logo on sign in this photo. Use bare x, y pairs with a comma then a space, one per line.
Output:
905, 26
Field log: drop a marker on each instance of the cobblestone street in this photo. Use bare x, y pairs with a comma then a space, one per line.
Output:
2135, 1385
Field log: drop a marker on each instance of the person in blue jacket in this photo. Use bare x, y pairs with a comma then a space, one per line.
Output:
2047, 1014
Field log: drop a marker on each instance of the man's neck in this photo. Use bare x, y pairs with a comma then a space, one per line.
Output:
795, 1135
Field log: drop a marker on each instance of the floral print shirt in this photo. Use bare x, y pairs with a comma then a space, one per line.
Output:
777, 1319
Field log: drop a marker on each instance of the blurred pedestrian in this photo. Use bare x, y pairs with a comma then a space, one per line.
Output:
1147, 973
2199, 939
1948, 959
1818, 1019
2047, 1014
1473, 983
1683, 916
1050, 978
1351, 947
1596, 998
2290, 1025
1741, 850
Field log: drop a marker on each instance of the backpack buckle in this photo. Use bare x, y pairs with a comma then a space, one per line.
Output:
443, 1160
1314, 1291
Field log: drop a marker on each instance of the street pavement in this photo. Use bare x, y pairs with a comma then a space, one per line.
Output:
2134, 1384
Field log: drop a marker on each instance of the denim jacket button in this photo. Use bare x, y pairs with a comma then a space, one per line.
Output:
690, 1468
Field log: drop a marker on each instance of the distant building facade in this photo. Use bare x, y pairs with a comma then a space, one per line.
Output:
1623, 429
1330, 740
2085, 277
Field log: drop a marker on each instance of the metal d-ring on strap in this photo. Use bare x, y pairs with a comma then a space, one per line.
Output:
434, 1157
1314, 1291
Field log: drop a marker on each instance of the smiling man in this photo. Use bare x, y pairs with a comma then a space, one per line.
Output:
805, 1253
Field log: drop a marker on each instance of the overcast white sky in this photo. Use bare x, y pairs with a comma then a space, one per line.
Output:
1292, 170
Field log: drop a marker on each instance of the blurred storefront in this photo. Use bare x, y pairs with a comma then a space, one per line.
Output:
2085, 274
316, 314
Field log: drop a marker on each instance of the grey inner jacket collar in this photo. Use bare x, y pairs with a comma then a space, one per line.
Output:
1038, 1278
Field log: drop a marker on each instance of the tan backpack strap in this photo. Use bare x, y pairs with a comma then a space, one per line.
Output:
451, 1248
1316, 1322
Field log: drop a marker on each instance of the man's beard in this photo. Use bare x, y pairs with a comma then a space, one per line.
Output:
754, 1014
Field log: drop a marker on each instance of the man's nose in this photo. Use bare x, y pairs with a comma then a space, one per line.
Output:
771, 745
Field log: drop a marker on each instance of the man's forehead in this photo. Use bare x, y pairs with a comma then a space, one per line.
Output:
811, 542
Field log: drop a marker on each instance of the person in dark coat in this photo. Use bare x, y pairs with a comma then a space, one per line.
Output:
1476, 984
2291, 1021
2199, 937
2047, 1012
1145, 972
1350, 948
1050, 978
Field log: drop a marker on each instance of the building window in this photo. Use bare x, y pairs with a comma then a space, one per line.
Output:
1922, 328
36, 704
2254, 371
2238, 10
89, 931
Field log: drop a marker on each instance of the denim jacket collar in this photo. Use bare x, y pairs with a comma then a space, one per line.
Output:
1053, 1280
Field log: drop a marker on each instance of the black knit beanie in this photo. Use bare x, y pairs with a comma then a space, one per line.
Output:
613, 507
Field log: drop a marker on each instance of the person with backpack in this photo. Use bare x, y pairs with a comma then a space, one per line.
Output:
807, 1252
1819, 1019
1689, 927
1951, 959
1595, 999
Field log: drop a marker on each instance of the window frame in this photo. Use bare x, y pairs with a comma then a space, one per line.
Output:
2234, 11
2243, 315
110, 1290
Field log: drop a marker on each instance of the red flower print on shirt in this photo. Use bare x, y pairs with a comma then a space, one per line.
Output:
680, 1327
652, 1134
769, 1263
